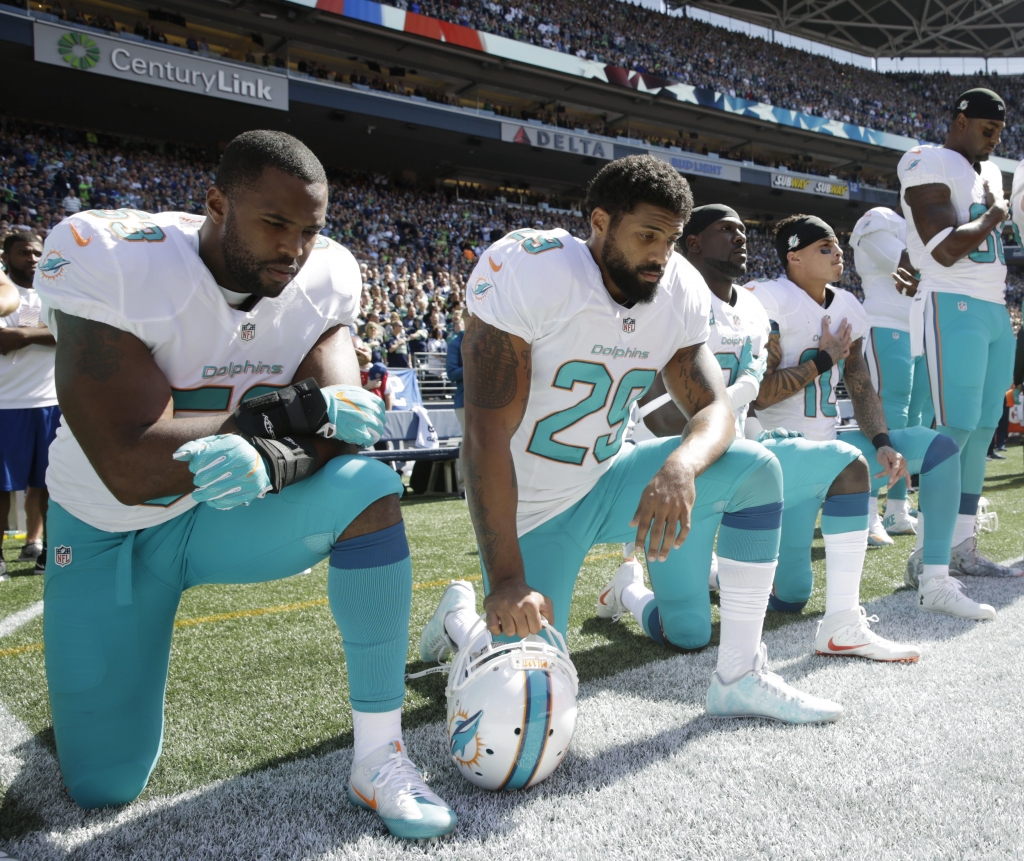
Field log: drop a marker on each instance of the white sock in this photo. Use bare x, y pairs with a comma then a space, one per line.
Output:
635, 599
964, 528
844, 561
897, 506
743, 595
460, 625
933, 572
873, 517
919, 544
371, 730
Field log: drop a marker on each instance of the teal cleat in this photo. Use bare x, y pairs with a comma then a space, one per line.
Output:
435, 644
387, 783
762, 694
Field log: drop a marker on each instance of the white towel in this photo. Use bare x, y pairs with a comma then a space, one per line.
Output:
426, 436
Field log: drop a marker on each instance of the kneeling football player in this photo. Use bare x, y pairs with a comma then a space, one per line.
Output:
565, 336
798, 393
202, 364
830, 476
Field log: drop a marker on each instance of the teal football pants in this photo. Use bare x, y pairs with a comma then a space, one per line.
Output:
742, 491
808, 470
902, 384
110, 611
969, 346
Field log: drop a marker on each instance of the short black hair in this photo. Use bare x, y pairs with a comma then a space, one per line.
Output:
249, 154
622, 185
20, 236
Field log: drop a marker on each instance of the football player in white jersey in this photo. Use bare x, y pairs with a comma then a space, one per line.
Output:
167, 325
832, 476
798, 393
879, 243
953, 199
564, 336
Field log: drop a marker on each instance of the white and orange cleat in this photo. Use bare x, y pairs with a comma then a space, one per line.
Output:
849, 634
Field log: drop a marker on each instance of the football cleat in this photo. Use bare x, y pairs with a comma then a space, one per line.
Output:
965, 559
387, 783
609, 601
877, 536
30, 552
40, 562
899, 523
915, 569
849, 634
435, 644
761, 693
945, 595
511, 709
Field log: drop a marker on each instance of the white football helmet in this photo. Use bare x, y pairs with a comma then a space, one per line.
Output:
987, 519
511, 709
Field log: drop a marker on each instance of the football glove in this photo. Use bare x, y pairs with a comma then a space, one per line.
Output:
778, 433
353, 415
228, 470
751, 364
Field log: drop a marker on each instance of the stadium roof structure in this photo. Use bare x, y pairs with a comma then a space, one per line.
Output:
892, 28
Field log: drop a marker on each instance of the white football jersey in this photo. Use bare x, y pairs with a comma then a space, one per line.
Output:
886, 231
731, 325
1017, 200
797, 319
591, 357
26, 375
982, 273
142, 273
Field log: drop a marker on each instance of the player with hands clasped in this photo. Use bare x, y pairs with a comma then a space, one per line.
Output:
565, 336
879, 243
798, 393
211, 401
829, 476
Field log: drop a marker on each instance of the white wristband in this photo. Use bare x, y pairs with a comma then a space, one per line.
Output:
937, 238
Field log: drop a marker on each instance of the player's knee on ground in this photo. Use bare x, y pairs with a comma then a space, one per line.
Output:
855, 478
678, 627
111, 787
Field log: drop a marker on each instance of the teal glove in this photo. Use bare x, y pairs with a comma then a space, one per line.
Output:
228, 471
751, 364
353, 415
778, 433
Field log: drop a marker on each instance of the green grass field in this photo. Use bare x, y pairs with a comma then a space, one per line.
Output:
257, 674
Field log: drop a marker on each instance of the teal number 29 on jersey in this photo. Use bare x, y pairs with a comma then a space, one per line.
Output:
633, 385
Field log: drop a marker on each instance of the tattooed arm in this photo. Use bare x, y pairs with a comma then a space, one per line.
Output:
781, 383
496, 375
694, 379
118, 404
867, 409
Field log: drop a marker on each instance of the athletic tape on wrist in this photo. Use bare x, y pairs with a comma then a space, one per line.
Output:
287, 460
296, 409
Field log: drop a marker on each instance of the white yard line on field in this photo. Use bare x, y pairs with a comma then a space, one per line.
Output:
11, 624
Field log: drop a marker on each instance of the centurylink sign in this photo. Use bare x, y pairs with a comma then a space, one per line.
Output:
88, 52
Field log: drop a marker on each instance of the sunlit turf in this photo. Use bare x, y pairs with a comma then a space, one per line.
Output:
248, 691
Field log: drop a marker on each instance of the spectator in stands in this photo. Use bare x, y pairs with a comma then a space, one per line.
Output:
71, 203
29, 414
372, 374
437, 343
397, 346
453, 368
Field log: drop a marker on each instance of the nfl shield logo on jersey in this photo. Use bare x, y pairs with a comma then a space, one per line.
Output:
962, 306
629, 325
248, 331
62, 555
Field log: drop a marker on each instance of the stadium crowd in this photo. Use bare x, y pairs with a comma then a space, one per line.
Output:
417, 246
690, 51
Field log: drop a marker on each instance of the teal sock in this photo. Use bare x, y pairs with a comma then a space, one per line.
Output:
939, 499
973, 459
897, 492
370, 591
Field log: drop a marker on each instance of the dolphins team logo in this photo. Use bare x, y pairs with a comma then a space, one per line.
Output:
793, 241
52, 266
481, 288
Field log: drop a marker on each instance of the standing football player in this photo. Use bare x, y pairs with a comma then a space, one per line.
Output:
565, 336
167, 326
831, 476
954, 197
798, 393
879, 243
